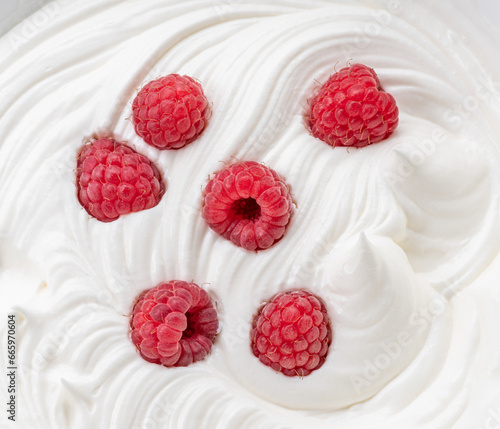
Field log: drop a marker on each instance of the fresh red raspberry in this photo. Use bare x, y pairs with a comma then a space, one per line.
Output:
248, 204
112, 179
351, 109
292, 333
170, 112
174, 324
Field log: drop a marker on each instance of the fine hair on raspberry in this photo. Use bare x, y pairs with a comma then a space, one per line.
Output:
170, 112
291, 333
112, 179
174, 324
248, 204
351, 109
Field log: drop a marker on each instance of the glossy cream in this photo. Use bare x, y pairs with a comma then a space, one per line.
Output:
400, 239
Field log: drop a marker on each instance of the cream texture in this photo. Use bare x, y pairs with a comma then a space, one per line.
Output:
400, 239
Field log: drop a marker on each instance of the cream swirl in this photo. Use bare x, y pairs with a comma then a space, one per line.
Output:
400, 238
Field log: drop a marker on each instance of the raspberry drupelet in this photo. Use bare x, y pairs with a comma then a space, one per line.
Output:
174, 324
248, 204
292, 333
351, 109
113, 180
170, 112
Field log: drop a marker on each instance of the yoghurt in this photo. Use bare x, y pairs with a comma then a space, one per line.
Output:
400, 239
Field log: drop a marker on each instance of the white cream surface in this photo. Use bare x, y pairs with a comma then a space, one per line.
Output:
400, 239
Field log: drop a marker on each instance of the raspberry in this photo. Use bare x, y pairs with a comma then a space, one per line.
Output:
174, 324
113, 179
351, 109
292, 333
248, 204
170, 112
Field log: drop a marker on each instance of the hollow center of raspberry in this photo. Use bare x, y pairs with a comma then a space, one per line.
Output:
190, 328
247, 208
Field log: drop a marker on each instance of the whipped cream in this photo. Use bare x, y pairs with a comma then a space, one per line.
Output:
400, 239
